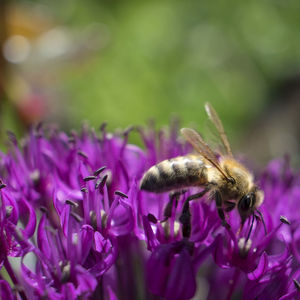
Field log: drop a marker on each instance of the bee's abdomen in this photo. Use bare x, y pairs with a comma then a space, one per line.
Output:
176, 173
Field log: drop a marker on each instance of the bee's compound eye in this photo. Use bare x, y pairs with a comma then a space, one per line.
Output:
245, 203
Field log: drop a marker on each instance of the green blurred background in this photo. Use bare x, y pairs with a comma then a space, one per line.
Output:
126, 62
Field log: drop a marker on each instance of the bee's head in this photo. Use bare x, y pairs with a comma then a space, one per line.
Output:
249, 202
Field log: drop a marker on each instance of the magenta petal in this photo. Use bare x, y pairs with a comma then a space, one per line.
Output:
69, 292
42, 239
28, 210
86, 282
109, 258
181, 283
64, 218
86, 237
261, 267
290, 296
121, 220
158, 269
219, 256
8, 200
98, 241
5, 291
152, 241
111, 294
31, 278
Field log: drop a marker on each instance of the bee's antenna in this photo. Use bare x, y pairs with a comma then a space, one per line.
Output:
263, 221
251, 226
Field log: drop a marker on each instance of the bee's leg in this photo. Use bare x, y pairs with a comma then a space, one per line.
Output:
221, 214
185, 218
168, 209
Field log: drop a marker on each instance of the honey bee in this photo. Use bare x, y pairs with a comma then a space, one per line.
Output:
226, 180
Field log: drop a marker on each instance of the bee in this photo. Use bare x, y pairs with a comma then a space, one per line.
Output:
226, 180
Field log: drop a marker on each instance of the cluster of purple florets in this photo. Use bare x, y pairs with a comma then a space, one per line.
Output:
75, 225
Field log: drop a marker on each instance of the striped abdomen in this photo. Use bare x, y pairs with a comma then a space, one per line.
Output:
175, 173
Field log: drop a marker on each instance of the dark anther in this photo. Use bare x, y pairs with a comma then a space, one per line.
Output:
8, 211
84, 190
261, 217
98, 183
71, 139
152, 218
66, 272
82, 154
43, 209
284, 220
72, 203
121, 194
12, 137
93, 219
88, 178
297, 284
39, 126
100, 170
128, 130
103, 181
76, 217
103, 126
2, 185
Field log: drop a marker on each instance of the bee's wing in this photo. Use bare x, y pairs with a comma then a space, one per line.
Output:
213, 116
195, 139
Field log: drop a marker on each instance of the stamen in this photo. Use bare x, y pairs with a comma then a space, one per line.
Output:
103, 126
35, 176
263, 221
121, 194
8, 211
128, 130
71, 140
103, 218
76, 217
44, 209
72, 203
88, 178
12, 137
93, 219
98, 183
82, 154
100, 170
66, 272
103, 181
244, 246
297, 284
284, 220
2, 185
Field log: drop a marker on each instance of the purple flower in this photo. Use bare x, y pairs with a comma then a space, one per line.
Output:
72, 210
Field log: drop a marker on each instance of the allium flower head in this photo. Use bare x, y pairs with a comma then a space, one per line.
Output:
72, 210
